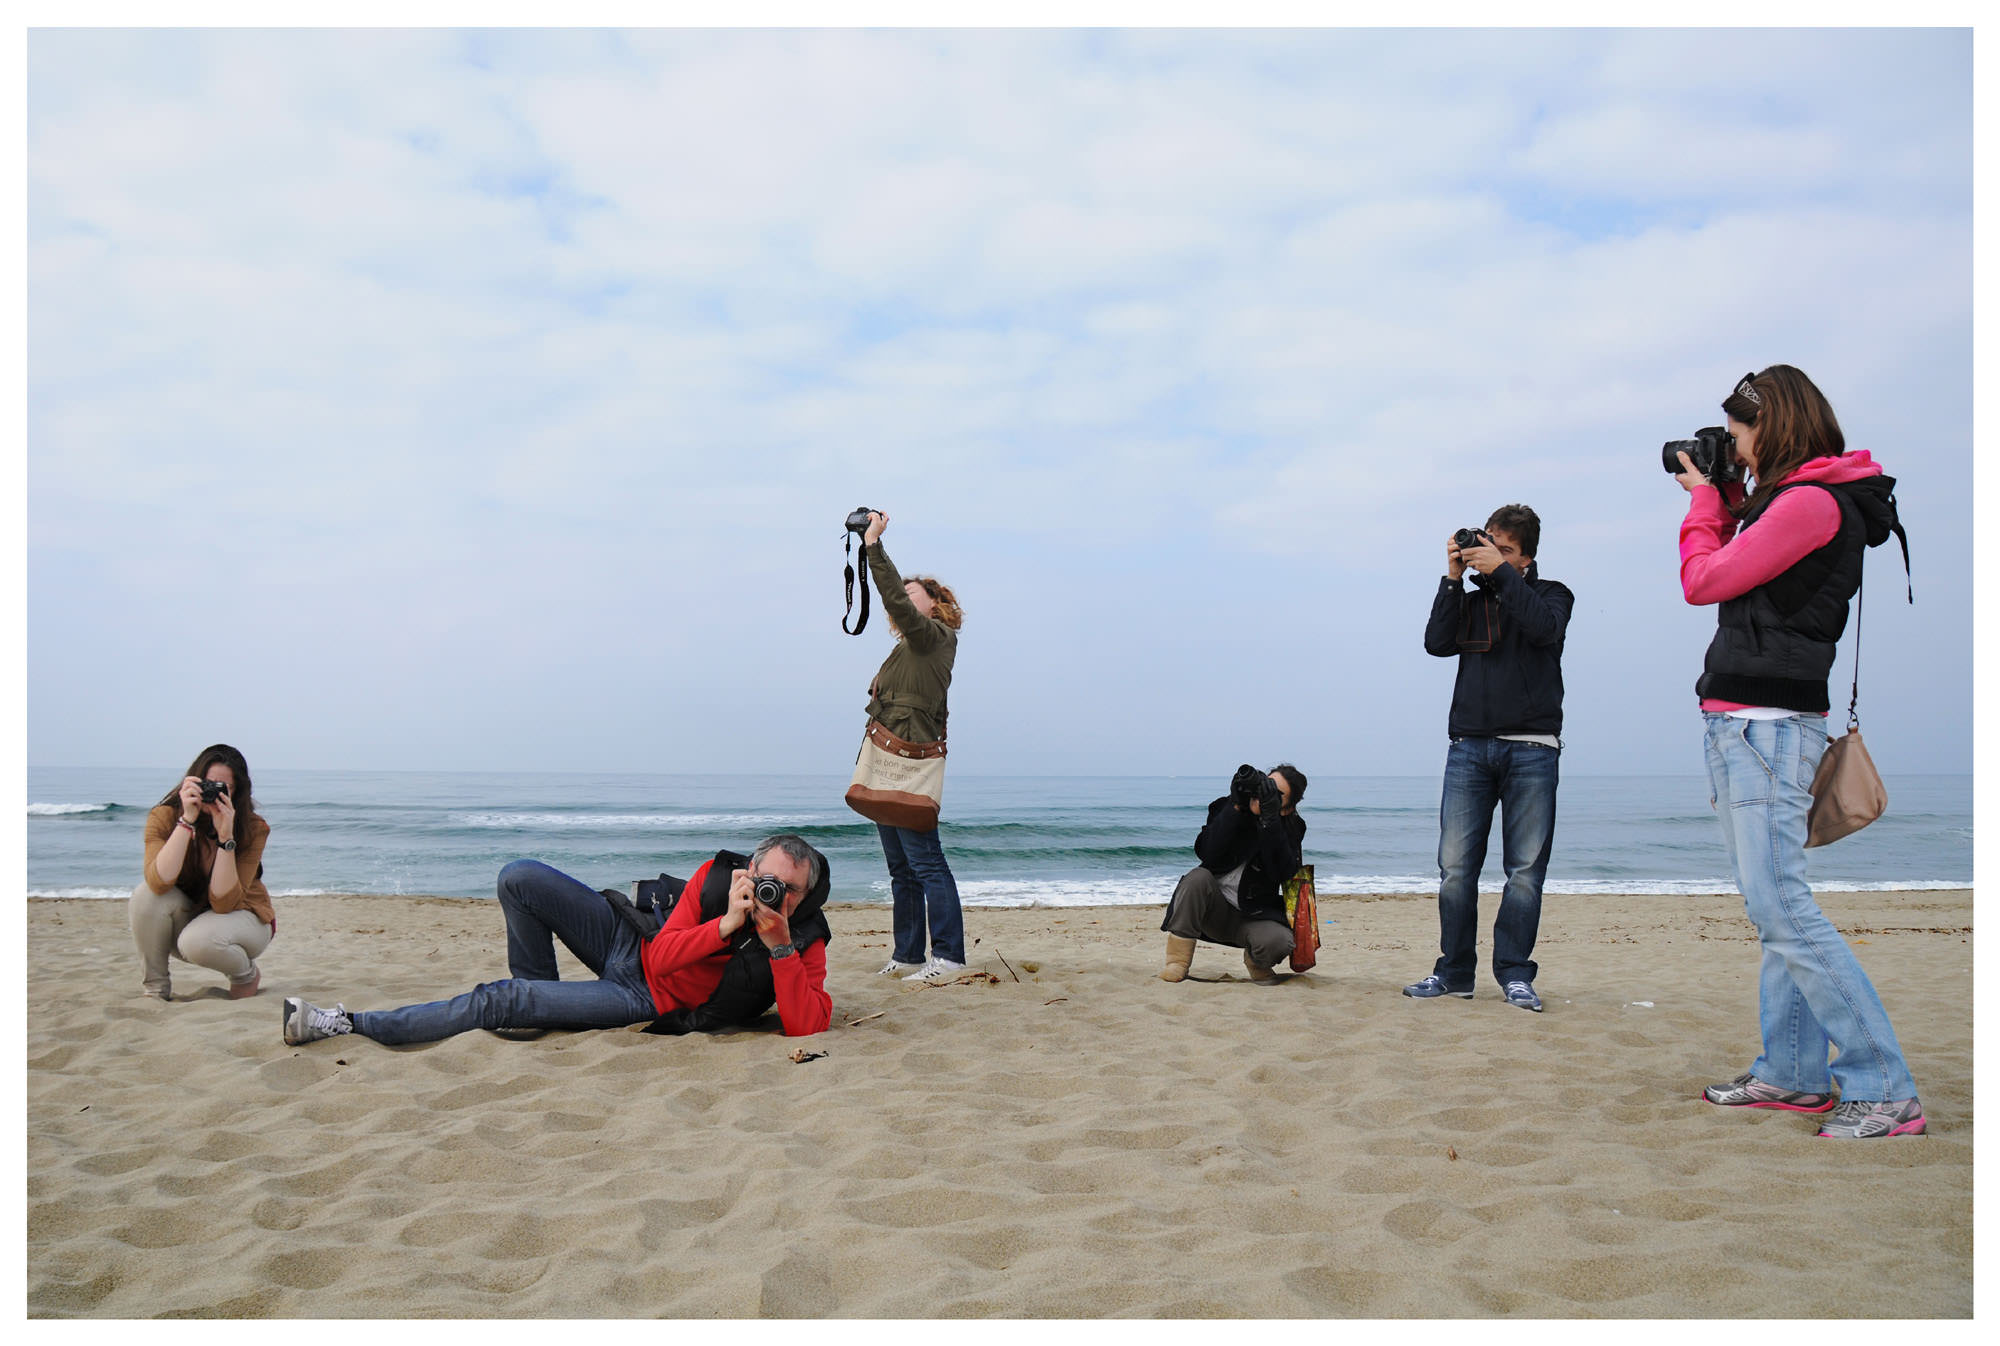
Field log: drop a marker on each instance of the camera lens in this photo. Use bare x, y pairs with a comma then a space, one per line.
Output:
769, 890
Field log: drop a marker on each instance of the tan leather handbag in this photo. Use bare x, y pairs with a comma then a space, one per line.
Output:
1847, 791
896, 782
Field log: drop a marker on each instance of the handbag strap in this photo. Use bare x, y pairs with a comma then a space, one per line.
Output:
1853, 720
848, 580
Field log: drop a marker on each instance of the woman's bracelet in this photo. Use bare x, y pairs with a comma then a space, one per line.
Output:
182, 822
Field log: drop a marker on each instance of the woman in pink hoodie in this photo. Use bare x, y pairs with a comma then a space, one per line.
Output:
1782, 563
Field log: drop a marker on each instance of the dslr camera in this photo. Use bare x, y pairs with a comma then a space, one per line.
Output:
212, 790
1469, 537
1712, 451
857, 522
768, 889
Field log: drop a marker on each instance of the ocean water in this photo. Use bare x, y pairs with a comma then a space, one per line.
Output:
1012, 841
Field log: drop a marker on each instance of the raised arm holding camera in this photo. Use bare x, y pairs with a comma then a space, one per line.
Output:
1783, 561
1249, 845
1505, 729
744, 934
202, 897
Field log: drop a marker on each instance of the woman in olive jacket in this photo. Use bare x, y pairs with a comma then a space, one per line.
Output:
907, 698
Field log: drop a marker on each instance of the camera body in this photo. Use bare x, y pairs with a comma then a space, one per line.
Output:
857, 522
1469, 537
768, 889
1712, 451
212, 790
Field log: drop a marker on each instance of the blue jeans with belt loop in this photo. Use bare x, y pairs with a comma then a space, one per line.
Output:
1521, 778
1811, 991
922, 893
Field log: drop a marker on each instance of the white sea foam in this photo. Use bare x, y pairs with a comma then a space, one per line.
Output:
662, 821
58, 810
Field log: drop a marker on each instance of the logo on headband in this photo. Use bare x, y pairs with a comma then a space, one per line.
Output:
1743, 389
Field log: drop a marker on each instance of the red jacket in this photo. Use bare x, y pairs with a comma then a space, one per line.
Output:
684, 962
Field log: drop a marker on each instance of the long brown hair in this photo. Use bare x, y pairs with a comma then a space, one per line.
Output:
1794, 423
239, 794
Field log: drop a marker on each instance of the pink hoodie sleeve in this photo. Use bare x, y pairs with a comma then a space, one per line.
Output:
1718, 563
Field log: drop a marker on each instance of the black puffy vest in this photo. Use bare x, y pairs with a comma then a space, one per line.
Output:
1774, 645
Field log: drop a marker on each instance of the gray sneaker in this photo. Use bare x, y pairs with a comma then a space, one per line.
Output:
1433, 986
1861, 1119
309, 1023
1747, 1091
1522, 996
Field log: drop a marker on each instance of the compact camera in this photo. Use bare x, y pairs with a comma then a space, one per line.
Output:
1712, 451
212, 790
768, 889
1469, 537
857, 522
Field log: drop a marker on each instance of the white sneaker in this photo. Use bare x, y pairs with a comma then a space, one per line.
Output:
309, 1023
937, 972
892, 968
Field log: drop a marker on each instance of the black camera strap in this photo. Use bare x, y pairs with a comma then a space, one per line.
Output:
848, 580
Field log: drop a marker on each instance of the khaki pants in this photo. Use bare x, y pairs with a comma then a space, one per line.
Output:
1200, 911
173, 923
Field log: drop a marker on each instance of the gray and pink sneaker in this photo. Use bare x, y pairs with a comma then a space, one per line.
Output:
1861, 1119
1747, 1091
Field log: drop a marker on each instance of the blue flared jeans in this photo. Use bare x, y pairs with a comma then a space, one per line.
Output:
1520, 778
923, 894
541, 905
1811, 991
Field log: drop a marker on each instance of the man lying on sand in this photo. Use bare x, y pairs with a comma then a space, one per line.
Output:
739, 939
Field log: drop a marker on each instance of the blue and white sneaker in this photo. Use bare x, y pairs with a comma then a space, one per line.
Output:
1433, 986
1522, 996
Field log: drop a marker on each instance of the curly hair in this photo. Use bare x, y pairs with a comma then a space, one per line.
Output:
947, 611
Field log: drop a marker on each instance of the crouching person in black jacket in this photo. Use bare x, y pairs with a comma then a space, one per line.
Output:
1248, 847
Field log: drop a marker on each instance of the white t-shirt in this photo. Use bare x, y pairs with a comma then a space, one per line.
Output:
1232, 883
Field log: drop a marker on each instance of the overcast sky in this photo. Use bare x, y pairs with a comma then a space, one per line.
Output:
493, 400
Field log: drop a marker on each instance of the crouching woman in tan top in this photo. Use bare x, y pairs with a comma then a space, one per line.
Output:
203, 899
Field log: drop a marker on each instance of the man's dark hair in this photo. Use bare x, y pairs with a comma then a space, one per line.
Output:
1294, 778
1520, 523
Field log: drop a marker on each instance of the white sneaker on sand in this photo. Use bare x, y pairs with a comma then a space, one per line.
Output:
892, 968
309, 1023
937, 972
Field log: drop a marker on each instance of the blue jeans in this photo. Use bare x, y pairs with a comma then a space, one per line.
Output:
920, 882
1811, 991
541, 905
1521, 778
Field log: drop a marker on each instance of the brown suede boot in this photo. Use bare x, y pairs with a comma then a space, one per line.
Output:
1259, 974
1180, 953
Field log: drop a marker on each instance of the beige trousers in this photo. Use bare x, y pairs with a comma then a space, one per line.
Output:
173, 923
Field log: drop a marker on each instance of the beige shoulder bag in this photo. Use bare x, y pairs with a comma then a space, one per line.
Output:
1847, 791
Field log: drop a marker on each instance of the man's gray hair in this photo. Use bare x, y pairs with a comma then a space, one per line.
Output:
795, 846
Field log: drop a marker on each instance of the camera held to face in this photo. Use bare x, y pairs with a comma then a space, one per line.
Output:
1712, 451
212, 790
769, 889
1469, 537
857, 522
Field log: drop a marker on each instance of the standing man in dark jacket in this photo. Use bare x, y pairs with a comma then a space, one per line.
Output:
1248, 847
1506, 727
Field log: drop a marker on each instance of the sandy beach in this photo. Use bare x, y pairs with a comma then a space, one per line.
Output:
1083, 1141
